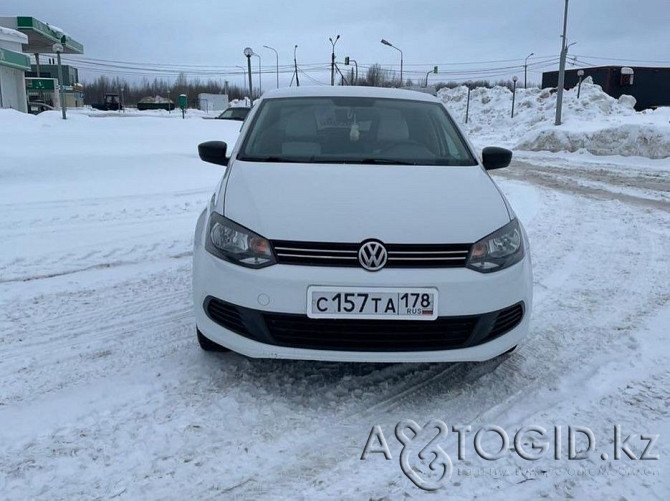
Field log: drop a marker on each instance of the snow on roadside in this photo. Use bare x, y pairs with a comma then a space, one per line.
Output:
85, 192
595, 122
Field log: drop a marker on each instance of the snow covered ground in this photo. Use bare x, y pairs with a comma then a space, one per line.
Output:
104, 392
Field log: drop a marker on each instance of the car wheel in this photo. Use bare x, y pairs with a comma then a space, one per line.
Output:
207, 344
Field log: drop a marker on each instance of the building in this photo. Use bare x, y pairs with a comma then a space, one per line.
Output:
649, 86
13, 64
32, 36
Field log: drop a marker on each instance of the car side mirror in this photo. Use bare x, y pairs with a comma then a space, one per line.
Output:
494, 157
213, 152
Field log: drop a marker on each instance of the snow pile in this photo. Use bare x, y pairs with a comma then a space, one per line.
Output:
595, 121
13, 35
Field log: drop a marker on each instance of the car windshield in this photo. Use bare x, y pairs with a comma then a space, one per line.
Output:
361, 130
235, 113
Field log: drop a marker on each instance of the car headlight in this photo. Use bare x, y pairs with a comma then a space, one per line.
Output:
236, 244
499, 250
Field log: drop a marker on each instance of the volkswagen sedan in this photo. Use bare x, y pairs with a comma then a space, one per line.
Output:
358, 224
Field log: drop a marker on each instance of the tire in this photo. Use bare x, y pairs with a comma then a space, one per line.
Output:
208, 345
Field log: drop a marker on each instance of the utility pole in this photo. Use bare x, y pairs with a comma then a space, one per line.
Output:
295, 64
561, 68
332, 60
514, 78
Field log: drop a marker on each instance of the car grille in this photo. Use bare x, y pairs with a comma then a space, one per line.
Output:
300, 331
346, 254
370, 335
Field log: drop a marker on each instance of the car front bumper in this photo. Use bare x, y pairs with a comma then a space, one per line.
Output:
281, 290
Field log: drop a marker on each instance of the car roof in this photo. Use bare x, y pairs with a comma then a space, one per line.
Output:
349, 91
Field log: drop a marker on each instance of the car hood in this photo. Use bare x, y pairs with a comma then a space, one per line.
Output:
351, 203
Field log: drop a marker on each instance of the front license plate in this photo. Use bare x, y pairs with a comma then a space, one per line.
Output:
379, 303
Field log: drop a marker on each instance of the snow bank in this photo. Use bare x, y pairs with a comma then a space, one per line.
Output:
596, 122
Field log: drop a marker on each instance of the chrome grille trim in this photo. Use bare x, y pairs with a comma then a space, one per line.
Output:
346, 254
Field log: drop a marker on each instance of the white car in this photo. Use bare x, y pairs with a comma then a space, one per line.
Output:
358, 224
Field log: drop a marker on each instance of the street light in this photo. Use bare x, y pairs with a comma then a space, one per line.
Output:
248, 53
58, 48
385, 42
244, 73
277, 56
260, 83
332, 60
514, 79
346, 61
525, 70
580, 74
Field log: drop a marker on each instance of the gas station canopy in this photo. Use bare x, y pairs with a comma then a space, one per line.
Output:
41, 36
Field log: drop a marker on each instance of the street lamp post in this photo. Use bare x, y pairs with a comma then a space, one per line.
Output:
58, 48
244, 74
386, 42
355, 66
514, 79
260, 82
525, 70
580, 74
248, 53
332, 60
277, 58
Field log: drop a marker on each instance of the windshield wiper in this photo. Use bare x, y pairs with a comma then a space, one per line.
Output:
317, 160
273, 159
382, 161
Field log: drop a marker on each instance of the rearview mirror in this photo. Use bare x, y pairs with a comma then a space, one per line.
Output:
494, 157
213, 152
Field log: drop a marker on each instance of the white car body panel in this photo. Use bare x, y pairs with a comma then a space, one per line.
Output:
350, 203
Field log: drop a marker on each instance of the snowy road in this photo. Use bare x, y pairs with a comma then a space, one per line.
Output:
105, 393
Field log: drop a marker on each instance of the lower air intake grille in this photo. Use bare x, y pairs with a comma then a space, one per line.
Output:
370, 335
300, 331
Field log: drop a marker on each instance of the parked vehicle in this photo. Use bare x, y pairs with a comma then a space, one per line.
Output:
234, 113
358, 224
155, 103
110, 103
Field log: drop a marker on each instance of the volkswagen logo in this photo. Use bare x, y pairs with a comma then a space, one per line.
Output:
372, 255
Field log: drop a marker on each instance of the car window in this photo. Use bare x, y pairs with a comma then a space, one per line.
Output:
235, 113
354, 130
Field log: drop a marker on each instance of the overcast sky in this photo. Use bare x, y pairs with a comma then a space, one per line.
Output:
447, 33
